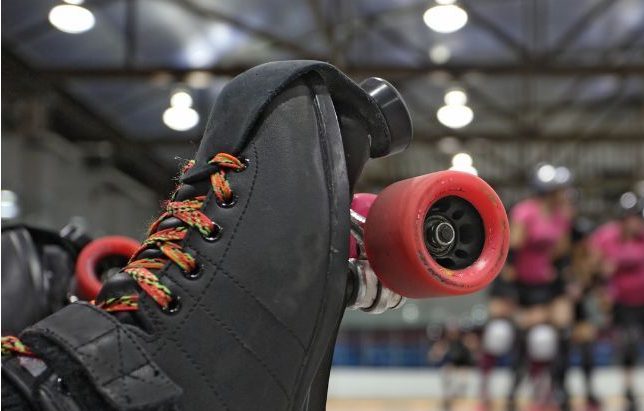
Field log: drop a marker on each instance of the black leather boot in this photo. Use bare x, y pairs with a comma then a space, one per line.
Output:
234, 300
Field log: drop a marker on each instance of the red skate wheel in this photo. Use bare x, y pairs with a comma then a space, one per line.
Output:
440, 234
99, 256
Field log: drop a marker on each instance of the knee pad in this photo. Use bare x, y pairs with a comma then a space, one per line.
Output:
498, 337
542, 343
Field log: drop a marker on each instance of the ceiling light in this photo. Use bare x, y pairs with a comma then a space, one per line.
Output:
440, 54
562, 175
445, 18
462, 160
466, 169
9, 207
181, 99
180, 116
199, 79
455, 97
71, 18
628, 200
455, 116
199, 52
546, 173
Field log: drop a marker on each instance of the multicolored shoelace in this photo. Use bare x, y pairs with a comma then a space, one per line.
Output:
168, 242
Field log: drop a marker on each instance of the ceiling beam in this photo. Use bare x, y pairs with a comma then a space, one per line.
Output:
364, 70
497, 31
578, 28
511, 115
552, 138
130, 32
325, 27
210, 13
569, 137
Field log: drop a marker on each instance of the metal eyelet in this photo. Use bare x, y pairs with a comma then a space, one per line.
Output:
194, 274
173, 306
245, 161
61, 386
214, 236
228, 204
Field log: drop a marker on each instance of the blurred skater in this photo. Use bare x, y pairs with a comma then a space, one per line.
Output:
499, 332
455, 351
585, 291
619, 247
539, 237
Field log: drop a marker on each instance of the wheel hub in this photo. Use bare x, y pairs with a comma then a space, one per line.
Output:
440, 235
444, 234
454, 233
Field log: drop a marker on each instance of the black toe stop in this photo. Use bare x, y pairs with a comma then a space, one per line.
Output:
395, 110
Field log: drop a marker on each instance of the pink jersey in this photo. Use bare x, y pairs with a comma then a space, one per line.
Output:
533, 261
627, 282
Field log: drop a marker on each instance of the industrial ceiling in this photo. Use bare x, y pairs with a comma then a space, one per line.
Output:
547, 80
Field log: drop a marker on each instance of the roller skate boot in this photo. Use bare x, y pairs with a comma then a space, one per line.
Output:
234, 299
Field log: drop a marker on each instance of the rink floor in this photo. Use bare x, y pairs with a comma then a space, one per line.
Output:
434, 404
378, 389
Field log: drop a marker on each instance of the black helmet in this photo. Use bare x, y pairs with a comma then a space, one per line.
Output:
548, 178
629, 205
581, 228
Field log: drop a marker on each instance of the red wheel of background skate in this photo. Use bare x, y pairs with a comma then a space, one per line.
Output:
396, 239
87, 278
